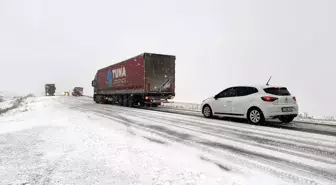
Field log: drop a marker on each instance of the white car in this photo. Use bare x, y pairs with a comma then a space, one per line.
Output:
255, 103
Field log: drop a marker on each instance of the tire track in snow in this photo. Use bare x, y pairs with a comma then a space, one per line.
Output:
285, 162
269, 132
247, 127
250, 137
181, 137
295, 126
186, 139
174, 136
276, 144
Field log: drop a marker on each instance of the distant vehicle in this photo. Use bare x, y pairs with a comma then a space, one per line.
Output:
77, 91
66, 93
146, 79
50, 89
255, 103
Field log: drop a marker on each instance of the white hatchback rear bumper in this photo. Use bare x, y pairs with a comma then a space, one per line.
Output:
274, 111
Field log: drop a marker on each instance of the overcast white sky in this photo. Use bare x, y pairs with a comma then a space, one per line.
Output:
217, 43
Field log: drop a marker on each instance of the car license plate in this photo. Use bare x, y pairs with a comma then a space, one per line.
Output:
287, 109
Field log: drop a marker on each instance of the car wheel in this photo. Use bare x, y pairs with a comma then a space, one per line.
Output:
255, 116
207, 112
286, 119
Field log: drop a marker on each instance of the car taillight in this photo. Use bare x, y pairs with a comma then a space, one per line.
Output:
294, 98
147, 98
269, 98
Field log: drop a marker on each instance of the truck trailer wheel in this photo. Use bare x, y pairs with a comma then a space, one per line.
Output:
99, 99
125, 101
130, 101
286, 119
120, 100
154, 105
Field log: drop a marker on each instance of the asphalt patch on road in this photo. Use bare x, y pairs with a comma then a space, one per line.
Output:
222, 167
182, 136
155, 140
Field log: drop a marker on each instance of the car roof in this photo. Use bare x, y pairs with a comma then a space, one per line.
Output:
270, 86
259, 86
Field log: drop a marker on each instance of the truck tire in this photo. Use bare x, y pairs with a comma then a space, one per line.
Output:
286, 119
125, 101
104, 100
120, 100
99, 99
130, 101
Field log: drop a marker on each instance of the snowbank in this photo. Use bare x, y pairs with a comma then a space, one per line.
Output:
316, 121
14, 104
183, 106
53, 144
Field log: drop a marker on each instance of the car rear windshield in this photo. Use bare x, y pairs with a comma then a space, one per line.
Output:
279, 91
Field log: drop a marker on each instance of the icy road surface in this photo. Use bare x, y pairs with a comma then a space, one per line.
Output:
67, 140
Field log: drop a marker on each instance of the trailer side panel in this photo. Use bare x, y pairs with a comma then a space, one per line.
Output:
124, 77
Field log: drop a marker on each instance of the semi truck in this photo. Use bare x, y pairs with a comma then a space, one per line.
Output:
77, 91
144, 80
50, 89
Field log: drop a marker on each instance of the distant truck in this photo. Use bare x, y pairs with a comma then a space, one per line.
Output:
50, 89
77, 91
146, 79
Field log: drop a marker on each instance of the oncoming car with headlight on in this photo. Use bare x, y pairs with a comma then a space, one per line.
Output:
255, 103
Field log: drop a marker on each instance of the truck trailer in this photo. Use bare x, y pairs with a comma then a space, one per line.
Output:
144, 80
77, 91
50, 89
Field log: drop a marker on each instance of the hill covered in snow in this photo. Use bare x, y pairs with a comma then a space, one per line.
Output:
7, 95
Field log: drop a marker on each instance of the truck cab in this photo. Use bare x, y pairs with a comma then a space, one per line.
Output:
50, 89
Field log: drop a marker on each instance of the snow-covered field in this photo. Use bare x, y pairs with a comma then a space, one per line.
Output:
7, 103
71, 140
6, 95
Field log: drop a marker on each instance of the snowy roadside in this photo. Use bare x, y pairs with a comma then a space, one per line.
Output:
14, 104
53, 144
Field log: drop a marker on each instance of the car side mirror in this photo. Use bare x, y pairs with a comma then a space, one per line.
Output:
216, 97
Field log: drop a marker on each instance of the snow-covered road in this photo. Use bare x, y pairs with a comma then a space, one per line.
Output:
67, 140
